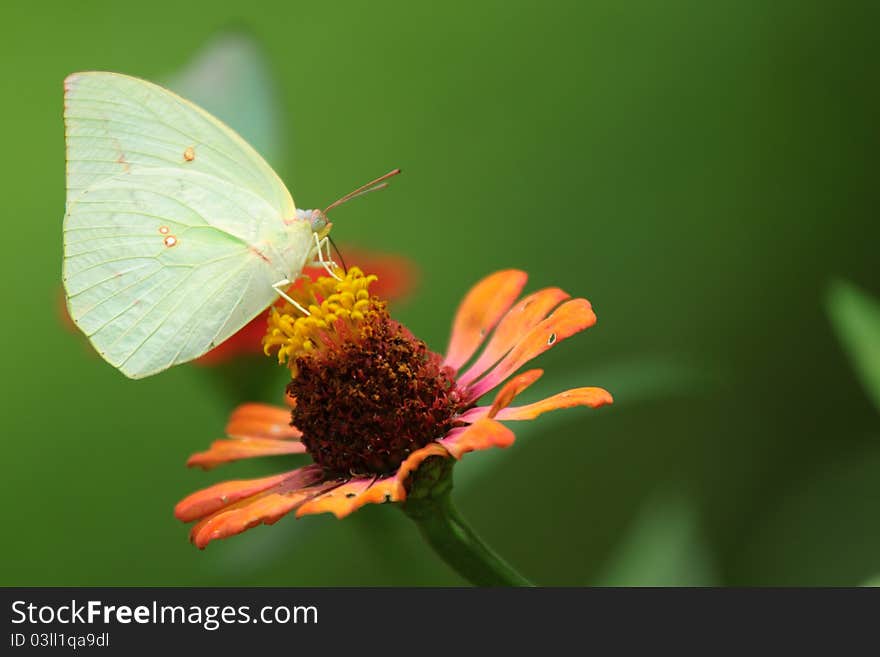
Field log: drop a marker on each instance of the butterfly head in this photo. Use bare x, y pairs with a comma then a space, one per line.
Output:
317, 220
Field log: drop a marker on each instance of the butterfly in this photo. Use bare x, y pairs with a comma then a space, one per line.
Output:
176, 231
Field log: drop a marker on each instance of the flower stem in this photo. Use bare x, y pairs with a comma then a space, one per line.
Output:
430, 507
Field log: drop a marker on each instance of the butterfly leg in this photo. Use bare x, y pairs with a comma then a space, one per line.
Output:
283, 283
327, 263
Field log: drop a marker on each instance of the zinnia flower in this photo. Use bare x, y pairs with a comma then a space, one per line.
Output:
371, 404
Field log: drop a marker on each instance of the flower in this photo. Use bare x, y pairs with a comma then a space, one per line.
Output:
370, 403
397, 276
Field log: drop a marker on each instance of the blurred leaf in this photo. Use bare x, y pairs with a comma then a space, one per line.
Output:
642, 378
856, 319
822, 531
663, 547
873, 582
231, 78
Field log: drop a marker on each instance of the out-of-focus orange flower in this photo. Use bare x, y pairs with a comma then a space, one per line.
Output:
370, 403
398, 277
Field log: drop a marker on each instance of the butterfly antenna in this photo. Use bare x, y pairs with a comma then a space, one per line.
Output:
339, 253
372, 186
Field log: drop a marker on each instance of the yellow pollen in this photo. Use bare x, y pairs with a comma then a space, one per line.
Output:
333, 306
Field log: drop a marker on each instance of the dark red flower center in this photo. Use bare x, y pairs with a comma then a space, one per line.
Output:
368, 393
366, 403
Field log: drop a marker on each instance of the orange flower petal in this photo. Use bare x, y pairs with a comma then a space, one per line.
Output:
226, 451
261, 421
266, 508
481, 309
518, 321
393, 489
592, 397
414, 460
208, 500
473, 414
256, 410
482, 434
512, 388
340, 501
358, 492
389, 489
568, 319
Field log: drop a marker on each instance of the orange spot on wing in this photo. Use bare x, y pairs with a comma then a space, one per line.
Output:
121, 159
189, 154
258, 253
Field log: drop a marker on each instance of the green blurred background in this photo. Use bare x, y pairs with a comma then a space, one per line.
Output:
699, 171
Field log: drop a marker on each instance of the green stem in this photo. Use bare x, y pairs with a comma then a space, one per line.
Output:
430, 507
446, 531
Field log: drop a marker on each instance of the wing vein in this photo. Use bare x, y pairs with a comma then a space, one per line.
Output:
104, 280
168, 314
120, 291
184, 343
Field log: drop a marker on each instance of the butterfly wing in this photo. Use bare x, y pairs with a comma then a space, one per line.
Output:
165, 255
115, 124
232, 79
